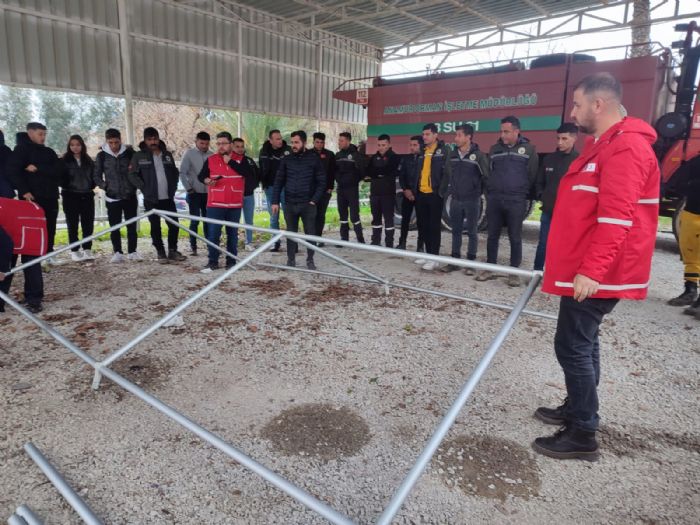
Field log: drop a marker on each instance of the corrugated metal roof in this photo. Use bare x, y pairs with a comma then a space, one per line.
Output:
386, 23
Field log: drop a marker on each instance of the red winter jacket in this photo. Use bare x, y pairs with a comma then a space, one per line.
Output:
605, 217
227, 192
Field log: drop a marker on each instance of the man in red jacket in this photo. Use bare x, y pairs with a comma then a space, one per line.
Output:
599, 251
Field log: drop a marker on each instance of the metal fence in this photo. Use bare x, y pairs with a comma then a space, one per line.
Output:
102, 368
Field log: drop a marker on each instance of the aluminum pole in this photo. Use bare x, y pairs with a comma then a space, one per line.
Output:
443, 428
23, 511
75, 501
15, 519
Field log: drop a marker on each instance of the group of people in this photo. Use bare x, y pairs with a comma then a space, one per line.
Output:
601, 239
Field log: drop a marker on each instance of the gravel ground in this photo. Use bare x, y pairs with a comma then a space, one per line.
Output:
337, 387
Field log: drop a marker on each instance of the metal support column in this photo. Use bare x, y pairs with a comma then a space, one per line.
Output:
125, 52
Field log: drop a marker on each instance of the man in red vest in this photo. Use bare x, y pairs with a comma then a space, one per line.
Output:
225, 173
599, 251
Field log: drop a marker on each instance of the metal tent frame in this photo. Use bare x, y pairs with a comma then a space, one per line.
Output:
102, 368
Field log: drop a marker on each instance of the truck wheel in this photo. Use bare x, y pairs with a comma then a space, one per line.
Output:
446, 215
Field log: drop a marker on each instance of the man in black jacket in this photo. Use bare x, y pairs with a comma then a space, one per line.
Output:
328, 161
513, 175
553, 168
382, 170
35, 171
349, 171
153, 171
112, 176
302, 178
272, 152
407, 181
469, 170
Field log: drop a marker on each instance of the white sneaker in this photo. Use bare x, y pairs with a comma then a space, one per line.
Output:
53, 261
134, 256
420, 262
76, 256
118, 258
88, 255
249, 247
430, 266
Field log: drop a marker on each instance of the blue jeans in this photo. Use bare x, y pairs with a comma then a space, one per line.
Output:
214, 232
274, 219
248, 216
545, 221
459, 211
578, 352
197, 204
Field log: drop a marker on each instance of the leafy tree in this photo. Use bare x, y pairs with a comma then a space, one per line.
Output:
15, 111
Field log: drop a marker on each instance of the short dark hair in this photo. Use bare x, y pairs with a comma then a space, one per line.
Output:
346, 135
272, 132
238, 139
113, 133
150, 132
320, 136
299, 133
416, 137
512, 120
224, 135
600, 82
467, 129
35, 125
384, 136
432, 127
568, 127
203, 135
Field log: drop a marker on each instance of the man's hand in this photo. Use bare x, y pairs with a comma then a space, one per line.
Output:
275, 209
28, 197
31, 168
2, 277
584, 287
312, 203
209, 182
409, 195
227, 158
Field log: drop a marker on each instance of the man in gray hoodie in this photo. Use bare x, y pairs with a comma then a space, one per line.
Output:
191, 165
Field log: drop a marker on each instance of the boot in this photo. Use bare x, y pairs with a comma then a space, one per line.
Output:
402, 243
568, 443
344, 231
552, 416
689, 295
277, 247
694, 308
162, 256
358, 232
389, 238
376, 235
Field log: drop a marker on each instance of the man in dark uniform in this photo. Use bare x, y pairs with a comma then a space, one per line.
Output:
382, 170
328, 161
407, 176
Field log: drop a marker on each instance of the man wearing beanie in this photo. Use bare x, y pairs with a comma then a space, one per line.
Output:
153, 171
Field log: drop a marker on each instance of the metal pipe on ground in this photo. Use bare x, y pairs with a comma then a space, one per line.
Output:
75, 501
448, 420
25, 512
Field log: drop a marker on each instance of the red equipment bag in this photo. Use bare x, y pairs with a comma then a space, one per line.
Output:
25, 223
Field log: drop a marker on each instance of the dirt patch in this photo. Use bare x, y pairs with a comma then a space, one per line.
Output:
271, 287
318, 430
489, 467
630, 441
145, 371
336, 293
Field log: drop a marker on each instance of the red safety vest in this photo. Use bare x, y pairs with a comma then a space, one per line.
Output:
227, 192
25, 223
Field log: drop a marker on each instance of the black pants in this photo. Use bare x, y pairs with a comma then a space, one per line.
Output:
578, 352
321, 208
349, 199
50, 207
407, 208
127, 209
292, 213
156, 234
382, 207
33, 278
79, 209
197, 204
429, 216
509, 213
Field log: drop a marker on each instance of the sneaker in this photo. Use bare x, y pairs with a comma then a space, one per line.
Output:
117, 258
52, 261
321, 244
34, 308
277, 247
209, 268
134, 256
568, 443
420, 262
310, 265
88, 255
513, 281
176, 256
552, 416
485, 275
249, 248
430, 266
469, 271
449, 268
77, 256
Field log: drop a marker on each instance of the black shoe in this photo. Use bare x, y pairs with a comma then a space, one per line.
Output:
449, 268
230, 264
34, 308
162, 256
277, 247
210, 267
552, 416
693, 309
689, 295
568, 443
310, 265
401, 245
176, 256
193, 251
321, 244
291, 263
2, 308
